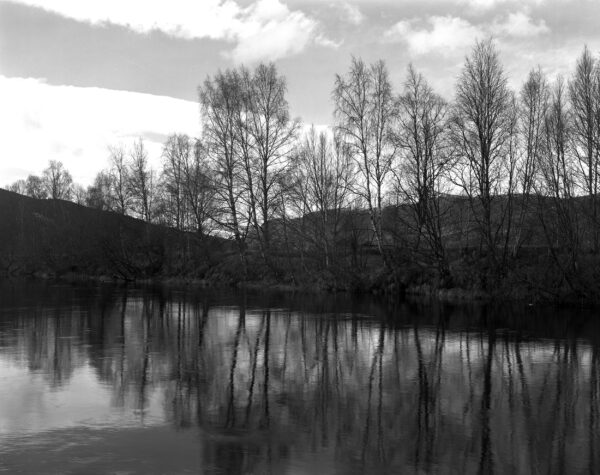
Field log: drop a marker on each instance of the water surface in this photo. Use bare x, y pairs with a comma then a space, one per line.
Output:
105, 379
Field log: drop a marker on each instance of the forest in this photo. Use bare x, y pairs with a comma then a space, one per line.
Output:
493, 192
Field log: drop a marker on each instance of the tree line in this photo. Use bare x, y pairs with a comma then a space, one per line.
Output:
402, 179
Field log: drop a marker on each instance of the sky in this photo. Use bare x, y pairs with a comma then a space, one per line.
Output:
77, 76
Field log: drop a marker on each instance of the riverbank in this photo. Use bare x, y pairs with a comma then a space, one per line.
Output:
54, 239
382, 288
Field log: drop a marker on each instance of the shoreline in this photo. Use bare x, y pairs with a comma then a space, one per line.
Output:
453, 295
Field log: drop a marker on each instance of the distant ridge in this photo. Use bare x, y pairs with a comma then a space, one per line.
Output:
54, 237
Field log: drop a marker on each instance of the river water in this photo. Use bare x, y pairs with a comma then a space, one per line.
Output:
106, 379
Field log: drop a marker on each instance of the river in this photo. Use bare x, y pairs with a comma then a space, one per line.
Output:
111, 379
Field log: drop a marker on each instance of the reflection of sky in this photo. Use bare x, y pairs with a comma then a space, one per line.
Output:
30, 406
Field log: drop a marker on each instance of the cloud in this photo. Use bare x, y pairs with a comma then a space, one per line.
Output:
76, 124
270, 30
440, 33
520, 25
326, 42
478, 5
352, 13
265, 29
448, 33
486, 5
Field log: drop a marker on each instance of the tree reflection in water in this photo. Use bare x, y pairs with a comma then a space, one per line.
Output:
265, 383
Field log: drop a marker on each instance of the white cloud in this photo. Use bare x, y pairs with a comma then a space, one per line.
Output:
76, 125
265, 29
328, 42
519, 25
352, 13
486, 5
270, 30
478, 5
447, 33
439, 33
482, 4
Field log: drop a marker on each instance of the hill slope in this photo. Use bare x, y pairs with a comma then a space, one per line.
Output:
55, 237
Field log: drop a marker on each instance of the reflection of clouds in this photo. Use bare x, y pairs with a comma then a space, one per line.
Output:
30, 406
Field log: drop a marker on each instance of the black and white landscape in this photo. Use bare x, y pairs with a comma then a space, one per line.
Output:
299, 236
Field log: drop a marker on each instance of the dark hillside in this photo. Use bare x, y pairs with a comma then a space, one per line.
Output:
56, 237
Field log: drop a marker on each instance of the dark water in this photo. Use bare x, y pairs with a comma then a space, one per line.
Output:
99, 379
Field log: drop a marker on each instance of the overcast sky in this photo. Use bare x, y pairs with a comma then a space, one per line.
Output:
79, 75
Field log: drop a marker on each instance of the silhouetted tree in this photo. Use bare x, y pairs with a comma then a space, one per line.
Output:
79, 194
141, 181
364, 112
220, 99
272, 134
57, 181
176, 152
34, 187
118, 172
19, 186
424, 160
199, 189
560, 221
482, 125
533, 107
99, 193
584, 93
322, 176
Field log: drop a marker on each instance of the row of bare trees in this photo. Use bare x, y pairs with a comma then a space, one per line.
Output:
497, 148
55, 182
177, 195
491, 173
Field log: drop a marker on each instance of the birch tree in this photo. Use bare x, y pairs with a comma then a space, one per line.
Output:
364, 112
424, 160
482, 128
584, 95
57, 181
141, 181
220, 98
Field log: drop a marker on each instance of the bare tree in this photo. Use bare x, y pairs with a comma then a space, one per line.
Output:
424, 160
533, 107
19, 186
364, 112
57, 181
323, 174
34, 187
176, 152
79, 194
220, 98
557, 182
119, 177
584, 93
272, 133
482, 129
141, 181
199, 188
99, 193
